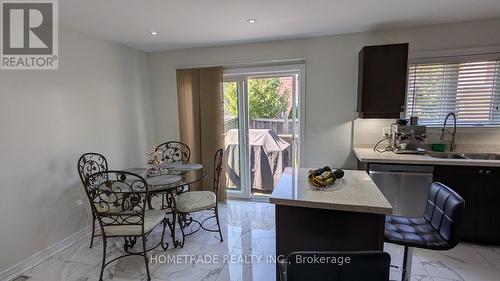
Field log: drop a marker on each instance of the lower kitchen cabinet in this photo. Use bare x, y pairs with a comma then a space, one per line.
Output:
480, 188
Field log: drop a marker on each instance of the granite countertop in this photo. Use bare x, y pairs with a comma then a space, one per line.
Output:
370, 156
358, 193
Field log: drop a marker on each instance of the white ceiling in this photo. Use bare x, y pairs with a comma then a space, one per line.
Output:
195, 23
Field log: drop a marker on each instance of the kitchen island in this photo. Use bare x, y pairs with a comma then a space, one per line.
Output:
350, 218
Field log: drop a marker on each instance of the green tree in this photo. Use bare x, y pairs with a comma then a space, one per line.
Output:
263, 98
231, 98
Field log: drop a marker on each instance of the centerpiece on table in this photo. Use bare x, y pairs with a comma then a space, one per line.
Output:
154, 163
325, 177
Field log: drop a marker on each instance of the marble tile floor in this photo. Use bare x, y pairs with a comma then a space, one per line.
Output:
247, 253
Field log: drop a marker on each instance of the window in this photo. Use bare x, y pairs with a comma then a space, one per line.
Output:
470, 89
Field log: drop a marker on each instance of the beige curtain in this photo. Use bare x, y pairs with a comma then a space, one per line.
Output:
201, 121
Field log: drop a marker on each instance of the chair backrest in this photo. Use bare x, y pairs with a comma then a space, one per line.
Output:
444, 211
174, 151
338, 266
117, 198
90, 163
219, 155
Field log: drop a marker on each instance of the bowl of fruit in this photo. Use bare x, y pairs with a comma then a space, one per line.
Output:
326, 178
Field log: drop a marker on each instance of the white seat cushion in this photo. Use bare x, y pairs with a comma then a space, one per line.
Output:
152, 218
194, 201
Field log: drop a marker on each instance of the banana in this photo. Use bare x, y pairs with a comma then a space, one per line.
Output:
319, 182
330, 181
313, 182
326, 175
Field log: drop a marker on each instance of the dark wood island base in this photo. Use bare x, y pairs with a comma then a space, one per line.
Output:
308, 229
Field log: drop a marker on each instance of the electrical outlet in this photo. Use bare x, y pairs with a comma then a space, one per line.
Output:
80, 203
386, 132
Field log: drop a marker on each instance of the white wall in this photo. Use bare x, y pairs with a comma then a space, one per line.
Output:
331, 77
98, 100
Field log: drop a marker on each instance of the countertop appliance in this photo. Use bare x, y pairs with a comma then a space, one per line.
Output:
404, 186
407, 138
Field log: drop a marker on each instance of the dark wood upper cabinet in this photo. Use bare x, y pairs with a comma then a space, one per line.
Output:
382, 80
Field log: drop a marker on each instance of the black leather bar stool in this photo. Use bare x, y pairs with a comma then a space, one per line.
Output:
336, 266
437, 229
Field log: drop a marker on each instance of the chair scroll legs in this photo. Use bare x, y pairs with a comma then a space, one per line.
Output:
185, 220
94, 234
407, 260
182, 225
218, 224
146, 257
104, 245
94, 219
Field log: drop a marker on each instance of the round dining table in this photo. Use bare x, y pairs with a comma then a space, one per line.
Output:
166, 185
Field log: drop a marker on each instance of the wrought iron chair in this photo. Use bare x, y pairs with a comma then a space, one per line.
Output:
174, 151
119, 200
196, 201
90, 163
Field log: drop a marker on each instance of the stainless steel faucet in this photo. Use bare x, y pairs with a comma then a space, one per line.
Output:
444, 130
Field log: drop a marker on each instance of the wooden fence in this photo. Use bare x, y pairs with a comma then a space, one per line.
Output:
279, 126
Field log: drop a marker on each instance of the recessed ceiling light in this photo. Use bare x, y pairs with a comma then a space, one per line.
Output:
251, 20
153, 33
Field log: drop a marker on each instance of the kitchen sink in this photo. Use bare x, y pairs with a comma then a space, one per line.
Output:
455, 155
446, 155
483, 156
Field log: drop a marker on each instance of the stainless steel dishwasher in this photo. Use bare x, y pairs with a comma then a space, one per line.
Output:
404, 186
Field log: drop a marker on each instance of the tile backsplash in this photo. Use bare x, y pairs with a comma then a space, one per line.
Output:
367, 132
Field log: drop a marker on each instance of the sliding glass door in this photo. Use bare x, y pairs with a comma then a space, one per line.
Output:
233, 135
262, 127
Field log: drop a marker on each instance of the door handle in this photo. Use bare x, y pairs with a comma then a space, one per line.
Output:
400, 173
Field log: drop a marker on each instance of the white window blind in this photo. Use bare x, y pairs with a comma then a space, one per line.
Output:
470, 89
